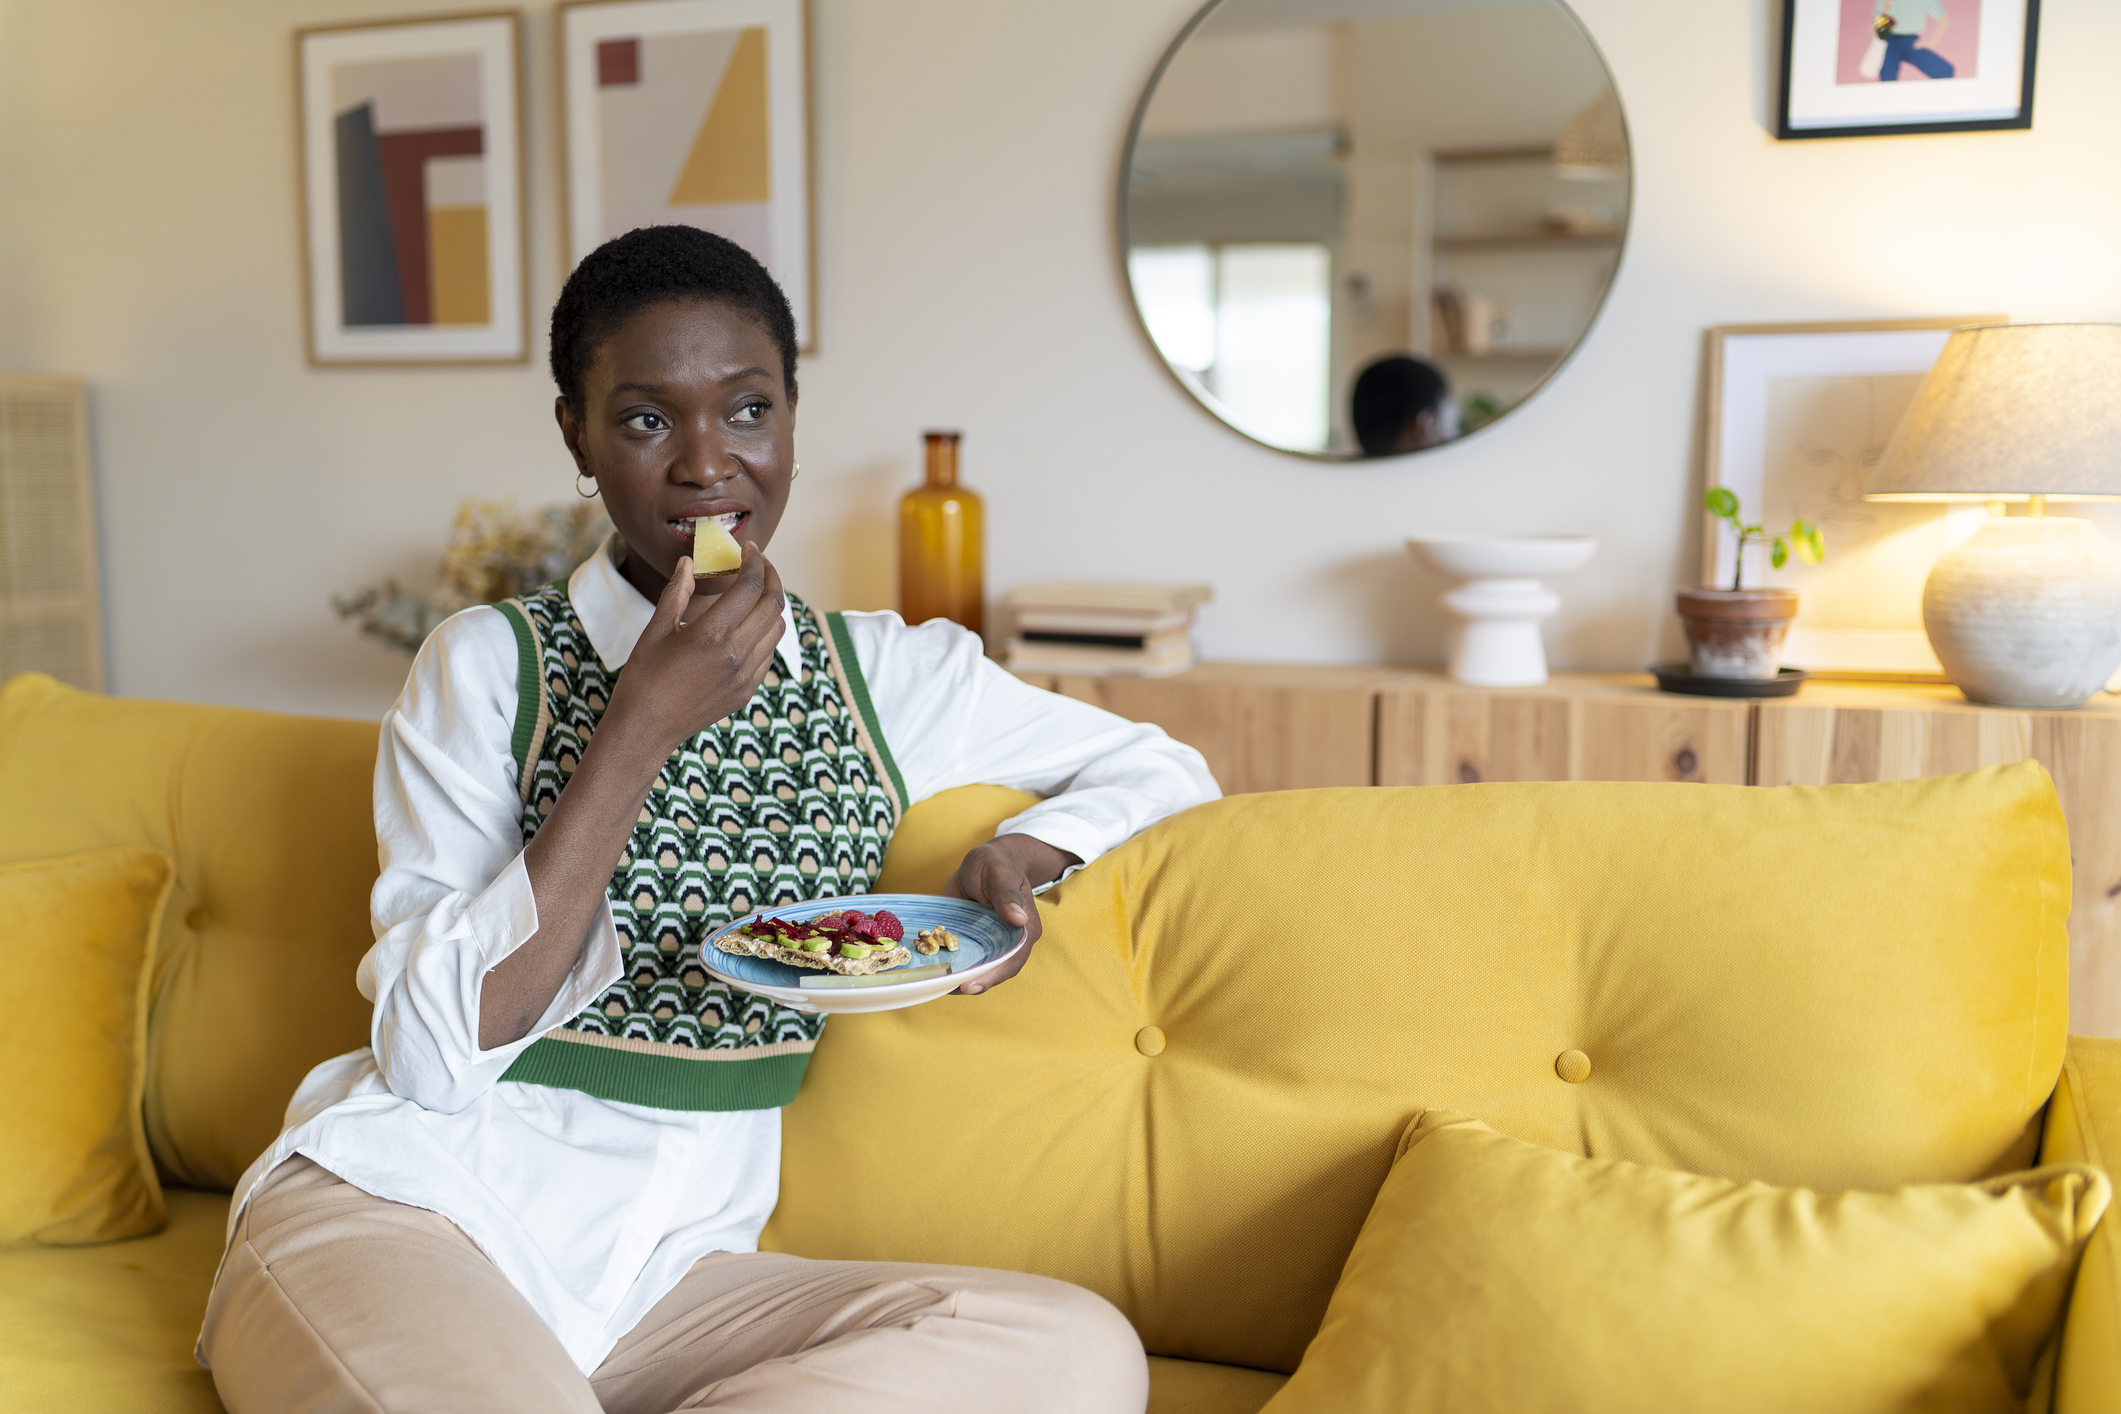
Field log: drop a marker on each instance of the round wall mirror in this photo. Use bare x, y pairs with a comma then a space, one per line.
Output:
1360, 228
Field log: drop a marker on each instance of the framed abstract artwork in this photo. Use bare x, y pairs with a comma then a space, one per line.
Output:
1798, 416
1863, 68
692, 113
412, 191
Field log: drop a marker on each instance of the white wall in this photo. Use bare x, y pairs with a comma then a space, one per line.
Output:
1250, 80
967, 163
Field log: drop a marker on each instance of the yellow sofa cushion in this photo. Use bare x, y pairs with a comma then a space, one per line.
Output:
1187, 1105
111, 1327
1496, 1274
74, 957
2084, 1127
1191, 1387
940, 831
268, 821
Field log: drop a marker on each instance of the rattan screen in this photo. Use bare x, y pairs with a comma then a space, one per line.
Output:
51, 617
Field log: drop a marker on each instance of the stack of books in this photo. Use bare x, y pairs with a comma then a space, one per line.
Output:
1109, 629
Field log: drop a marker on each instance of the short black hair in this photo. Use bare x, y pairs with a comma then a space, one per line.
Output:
1388, 396
652, 265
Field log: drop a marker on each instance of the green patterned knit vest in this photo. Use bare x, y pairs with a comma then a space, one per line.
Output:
793, 798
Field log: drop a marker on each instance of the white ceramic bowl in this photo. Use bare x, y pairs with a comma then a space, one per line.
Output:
1470, 556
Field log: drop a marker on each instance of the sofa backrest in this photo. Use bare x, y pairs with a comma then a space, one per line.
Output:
1190, 1097
268, 821
1855, 986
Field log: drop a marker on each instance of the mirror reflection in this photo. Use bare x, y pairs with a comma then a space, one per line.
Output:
1364, 228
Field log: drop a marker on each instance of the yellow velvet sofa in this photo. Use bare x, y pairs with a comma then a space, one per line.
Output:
1189, 1100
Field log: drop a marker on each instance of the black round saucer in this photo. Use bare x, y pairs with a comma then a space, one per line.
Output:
1678, 677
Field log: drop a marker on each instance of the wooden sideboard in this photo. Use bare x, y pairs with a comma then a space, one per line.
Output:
1287, 727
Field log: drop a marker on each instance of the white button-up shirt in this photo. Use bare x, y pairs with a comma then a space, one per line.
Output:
595, 1209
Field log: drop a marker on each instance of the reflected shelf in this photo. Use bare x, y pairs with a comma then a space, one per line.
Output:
1532, 240
1527, 354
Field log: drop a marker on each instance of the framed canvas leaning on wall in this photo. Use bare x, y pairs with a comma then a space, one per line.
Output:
692, 113
1866, 68
412, 191
1798, 416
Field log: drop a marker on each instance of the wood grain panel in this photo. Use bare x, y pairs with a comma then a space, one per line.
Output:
1402, 739
1843, 734
1673, 739
2083, 754
1817, 744
1261, 727
1431, 731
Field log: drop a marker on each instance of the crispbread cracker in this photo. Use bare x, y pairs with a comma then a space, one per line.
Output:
743, 945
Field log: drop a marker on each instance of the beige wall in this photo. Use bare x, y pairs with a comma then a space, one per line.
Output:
967, 155
1255, 80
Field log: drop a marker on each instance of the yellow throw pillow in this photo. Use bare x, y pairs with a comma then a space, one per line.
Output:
75, 948
1494, 1274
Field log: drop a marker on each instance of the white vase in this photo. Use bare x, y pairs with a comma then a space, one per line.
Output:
1501, 603
2026, 612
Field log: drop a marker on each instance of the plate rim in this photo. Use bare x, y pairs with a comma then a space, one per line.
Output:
882, 991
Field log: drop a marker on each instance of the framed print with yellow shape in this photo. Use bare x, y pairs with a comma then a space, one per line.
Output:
692, 113
412, 191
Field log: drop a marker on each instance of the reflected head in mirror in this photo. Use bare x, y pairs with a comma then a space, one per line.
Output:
1401, 404
1313, 188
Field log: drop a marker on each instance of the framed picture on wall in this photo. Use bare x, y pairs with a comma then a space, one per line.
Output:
1862, 68
1799, 415
692, 113
412, 191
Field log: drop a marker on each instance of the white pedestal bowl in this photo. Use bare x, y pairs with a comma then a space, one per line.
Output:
1501, 601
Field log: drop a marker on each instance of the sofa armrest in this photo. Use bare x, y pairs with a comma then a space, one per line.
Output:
2084, 1126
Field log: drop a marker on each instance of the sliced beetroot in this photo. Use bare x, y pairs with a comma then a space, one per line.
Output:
838, 927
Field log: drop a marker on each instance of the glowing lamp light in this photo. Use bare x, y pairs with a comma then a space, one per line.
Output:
2025, 612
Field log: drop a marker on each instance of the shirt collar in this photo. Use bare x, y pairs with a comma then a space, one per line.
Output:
614, 612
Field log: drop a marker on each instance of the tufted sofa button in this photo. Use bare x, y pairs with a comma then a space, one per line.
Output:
196, 919
1573, 1066
1149, 1041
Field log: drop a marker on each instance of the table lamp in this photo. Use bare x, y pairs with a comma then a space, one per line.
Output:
2026, 612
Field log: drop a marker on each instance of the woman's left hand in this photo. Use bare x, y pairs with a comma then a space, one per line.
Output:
1001, 874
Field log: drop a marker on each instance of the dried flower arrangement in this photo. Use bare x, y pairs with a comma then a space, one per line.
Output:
494, 551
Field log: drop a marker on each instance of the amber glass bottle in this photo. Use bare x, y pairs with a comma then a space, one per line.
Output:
941, 544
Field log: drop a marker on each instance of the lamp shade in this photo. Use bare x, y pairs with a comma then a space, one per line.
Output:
2011, 411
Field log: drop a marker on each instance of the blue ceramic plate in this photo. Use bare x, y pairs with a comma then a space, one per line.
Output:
984, 942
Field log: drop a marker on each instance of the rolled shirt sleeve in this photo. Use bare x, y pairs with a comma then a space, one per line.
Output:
453, 897
952, 717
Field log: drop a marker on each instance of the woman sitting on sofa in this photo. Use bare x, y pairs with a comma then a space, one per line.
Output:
541, 1187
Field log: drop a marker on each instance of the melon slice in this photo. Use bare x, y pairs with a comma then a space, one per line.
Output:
714, 550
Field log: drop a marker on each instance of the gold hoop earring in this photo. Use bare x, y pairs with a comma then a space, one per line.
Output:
591, 493
797, 472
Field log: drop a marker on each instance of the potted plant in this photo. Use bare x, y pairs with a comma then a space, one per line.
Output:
1738, 632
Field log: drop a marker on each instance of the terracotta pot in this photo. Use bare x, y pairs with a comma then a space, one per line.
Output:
1736, 633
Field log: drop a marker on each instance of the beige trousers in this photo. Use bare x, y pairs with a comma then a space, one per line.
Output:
335, 1300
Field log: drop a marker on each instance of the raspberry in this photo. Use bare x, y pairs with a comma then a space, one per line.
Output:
888, 926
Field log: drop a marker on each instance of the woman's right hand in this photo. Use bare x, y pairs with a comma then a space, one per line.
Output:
684, 677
